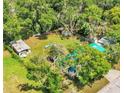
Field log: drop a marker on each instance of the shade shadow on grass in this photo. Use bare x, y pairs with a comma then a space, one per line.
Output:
26, 87
80, 86
42, 37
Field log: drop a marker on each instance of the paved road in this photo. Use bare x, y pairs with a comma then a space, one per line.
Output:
114, 86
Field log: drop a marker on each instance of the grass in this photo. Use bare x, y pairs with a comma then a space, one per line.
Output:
37, 45
96, 86
13, 67
14, 74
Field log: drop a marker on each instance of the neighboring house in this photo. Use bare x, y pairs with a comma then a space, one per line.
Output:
107, 41
104, 41
21, 48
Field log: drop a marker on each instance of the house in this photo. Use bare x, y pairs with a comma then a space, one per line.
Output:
104, 41
21, 48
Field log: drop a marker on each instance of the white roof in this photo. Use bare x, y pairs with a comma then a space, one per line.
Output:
20, 45
104, 41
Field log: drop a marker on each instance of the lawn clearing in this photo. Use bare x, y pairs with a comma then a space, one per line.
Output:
37, 45
96, 86
14, 74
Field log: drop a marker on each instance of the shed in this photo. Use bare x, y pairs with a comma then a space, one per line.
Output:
21, 48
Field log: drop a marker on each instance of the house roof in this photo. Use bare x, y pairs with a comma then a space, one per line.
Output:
104, 41
20, 45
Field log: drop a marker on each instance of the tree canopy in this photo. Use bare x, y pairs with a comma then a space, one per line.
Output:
23, 18
43, 75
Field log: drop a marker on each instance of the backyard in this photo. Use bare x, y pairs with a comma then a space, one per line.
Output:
15, 72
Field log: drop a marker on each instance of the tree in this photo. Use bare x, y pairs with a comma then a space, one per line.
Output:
68, 18
53, 82
24, 18
47, 20
56, 4
90, 20
55, 52
112, 16
43, 76
12, 25
113, 32
93, 17
40, 16
107, 4
91, 65
85, 29
43, 17
113, 54
25, 12
11, 29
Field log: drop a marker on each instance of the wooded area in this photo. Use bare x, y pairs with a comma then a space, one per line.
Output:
23, 18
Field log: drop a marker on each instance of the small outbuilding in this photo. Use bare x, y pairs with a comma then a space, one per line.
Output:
21, 48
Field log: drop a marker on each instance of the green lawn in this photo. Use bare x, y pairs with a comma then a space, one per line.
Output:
14, 74
13, 67
96, 86
37, 45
